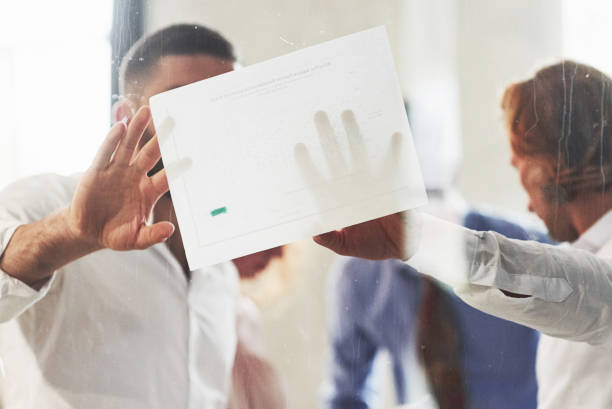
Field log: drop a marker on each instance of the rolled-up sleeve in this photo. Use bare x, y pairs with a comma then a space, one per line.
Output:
24, 202
16, 296
569, 291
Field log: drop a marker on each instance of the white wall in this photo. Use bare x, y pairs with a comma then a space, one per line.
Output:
268, 28
54, 86
498, 42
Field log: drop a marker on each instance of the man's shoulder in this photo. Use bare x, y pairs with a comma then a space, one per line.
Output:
363, 277
47, 182
362, 267
479, 220
511, 225
34, 197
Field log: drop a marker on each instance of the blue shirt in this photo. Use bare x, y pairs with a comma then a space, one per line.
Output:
376, 308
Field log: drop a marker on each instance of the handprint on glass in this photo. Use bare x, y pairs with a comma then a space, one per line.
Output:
349, 181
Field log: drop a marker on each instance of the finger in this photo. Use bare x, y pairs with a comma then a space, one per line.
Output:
333, 240
148, 155
392, 157
159, 184
105, 152
309, 171
156, 233
165, 129
135, 129
179, 167
329, 144
355, 140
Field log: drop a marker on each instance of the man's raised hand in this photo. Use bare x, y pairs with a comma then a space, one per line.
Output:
115, 197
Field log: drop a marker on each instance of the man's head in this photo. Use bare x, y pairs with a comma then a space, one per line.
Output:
560, 139
173, 56
169, 58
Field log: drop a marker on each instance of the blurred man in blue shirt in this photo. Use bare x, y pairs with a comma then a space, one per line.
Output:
470, 359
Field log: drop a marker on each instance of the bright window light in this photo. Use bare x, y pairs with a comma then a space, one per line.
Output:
55, 85
587, 32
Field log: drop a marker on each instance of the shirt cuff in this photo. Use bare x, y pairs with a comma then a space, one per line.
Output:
15, 295
461, 257
516, 266
439, 249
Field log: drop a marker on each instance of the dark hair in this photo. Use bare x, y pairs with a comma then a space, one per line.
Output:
178, 39
562, 114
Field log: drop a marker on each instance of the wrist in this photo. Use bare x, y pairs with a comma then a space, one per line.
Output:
37, 249
412, 231
72, 235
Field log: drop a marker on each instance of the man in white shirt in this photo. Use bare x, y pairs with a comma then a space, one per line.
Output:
98, 308
561, 143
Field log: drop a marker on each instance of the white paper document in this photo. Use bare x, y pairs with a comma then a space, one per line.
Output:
288, 148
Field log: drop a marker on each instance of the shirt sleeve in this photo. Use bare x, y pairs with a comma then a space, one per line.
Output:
24, 202
569, 291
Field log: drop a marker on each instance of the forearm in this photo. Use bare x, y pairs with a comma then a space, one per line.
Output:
568, 291
37, 249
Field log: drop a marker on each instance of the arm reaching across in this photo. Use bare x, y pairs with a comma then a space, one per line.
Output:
561, 292
109, 209
568, 291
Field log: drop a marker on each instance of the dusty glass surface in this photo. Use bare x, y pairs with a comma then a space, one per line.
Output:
313, 329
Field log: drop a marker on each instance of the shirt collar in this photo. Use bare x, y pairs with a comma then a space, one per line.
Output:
594, 238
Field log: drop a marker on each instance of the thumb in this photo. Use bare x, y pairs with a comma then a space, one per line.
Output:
333, 240
156, 233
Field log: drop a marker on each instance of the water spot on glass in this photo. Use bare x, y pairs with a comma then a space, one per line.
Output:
286, 41
140, 59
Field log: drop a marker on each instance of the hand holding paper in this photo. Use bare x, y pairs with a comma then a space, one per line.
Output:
377, 239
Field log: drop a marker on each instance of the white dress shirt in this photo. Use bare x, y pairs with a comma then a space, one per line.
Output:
570, 298
570, 289
112, 329
576, 374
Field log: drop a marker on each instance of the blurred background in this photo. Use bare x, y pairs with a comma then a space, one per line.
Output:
58, 63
